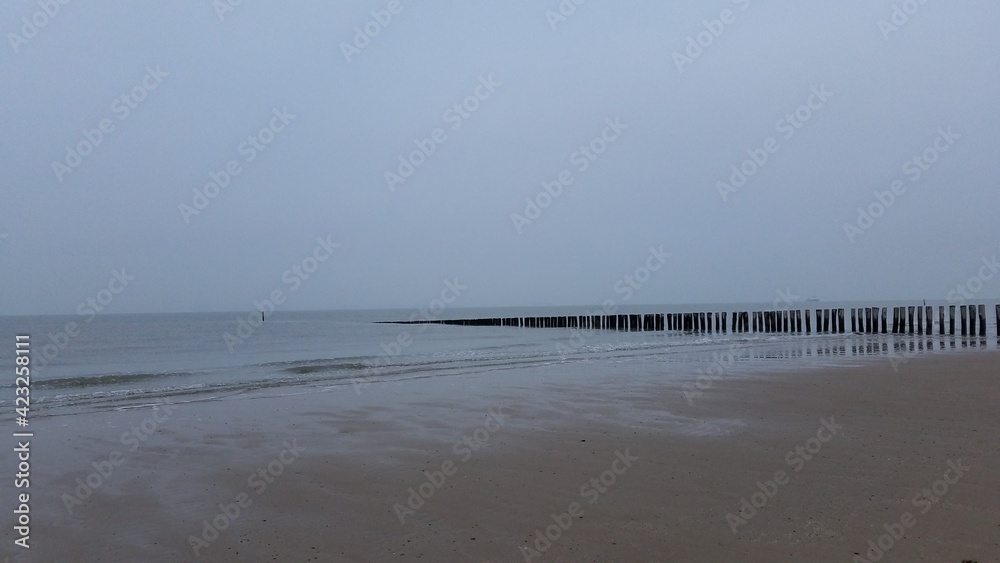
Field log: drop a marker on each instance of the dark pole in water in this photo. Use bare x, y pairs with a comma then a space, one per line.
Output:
920, 320
965, 314
951, 320
808, 323
930, 320
972, 320
910, 317
941, 320
982, 320
885, 320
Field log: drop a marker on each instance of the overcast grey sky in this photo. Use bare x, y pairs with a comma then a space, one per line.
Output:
339, 107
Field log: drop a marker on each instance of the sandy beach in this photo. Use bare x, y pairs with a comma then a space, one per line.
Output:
531, 465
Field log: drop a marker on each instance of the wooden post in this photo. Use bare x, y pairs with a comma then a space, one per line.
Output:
885, 319
808, 323
920, 320
868, 320
951, 320
841, 313
909, 315
941, 320
982, 320
798, 321
965, 316
854, 320
998, 321
930, 319
972, 320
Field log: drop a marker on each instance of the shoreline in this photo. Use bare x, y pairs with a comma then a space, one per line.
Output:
511, 450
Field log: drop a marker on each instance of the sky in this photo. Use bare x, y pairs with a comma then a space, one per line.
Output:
207, 156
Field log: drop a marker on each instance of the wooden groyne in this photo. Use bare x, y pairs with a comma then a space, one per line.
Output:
864, 320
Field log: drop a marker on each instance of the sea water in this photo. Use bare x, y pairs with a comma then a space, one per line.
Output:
123, 361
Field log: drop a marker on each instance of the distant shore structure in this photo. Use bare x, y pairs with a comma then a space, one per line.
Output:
864, 320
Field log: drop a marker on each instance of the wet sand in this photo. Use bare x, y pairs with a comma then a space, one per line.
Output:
629, 468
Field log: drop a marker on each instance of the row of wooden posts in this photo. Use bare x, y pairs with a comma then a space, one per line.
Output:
865, 320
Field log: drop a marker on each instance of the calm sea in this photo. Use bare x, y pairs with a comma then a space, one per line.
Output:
123, 361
